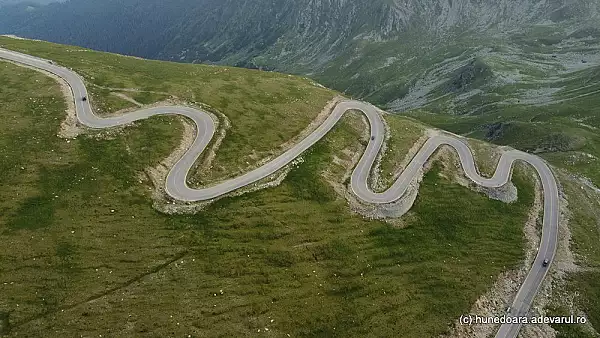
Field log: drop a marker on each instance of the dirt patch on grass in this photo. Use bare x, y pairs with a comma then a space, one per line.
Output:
126, 98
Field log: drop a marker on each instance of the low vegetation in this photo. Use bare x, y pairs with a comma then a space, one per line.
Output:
406, 133
265, 109
565, 133
583, 284
85, 253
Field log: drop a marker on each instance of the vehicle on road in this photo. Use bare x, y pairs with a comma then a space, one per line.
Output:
176, 187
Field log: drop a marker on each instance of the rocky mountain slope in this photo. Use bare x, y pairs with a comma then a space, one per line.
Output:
371, 49
518, 72
524, 73
87, 253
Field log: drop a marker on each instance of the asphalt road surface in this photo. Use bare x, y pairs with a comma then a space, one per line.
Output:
177, 187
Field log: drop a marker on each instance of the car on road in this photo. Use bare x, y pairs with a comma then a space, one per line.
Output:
545, 262
372, 138
84, 98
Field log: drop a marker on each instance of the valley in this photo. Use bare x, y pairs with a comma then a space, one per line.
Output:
88, 261
297, 254
492, 70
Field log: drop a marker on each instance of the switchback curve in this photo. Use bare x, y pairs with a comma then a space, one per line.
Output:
176, 184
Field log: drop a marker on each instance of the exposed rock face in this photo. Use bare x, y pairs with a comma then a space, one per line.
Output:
494, 131
314, 32
468, 76
390, 52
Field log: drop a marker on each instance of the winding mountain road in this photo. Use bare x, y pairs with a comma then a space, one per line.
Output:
177, 187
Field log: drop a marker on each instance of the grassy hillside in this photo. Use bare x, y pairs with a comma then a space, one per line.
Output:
535, 90
558, 120
85, 253
375, 50
565, 134
581, 290
563, 131
265, 109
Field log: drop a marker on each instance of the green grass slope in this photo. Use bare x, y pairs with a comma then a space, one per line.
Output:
85, 253
549, 106
265, 109
540, 95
